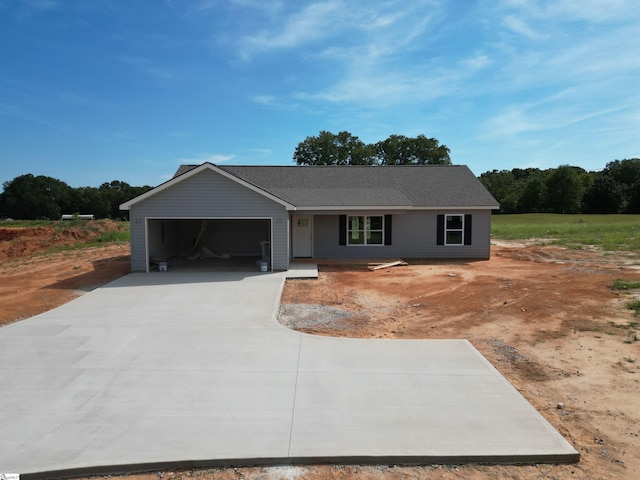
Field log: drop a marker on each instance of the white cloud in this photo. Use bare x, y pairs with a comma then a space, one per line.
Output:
311, 23
264, 99
594, 11
519, 26
148, 67
367, 47
273, 101
261, 151
477, 61
214, 158
557, 114
341, 24
381, 88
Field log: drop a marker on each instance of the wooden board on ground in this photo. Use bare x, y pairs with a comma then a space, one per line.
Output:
397, 263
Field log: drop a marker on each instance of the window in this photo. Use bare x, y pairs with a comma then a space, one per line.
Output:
365, 230
454, 230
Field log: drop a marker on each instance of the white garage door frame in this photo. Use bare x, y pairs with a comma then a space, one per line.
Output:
146, 232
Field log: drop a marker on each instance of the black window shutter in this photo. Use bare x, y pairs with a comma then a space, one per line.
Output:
387, 229
440, 230
342, 229
467, 229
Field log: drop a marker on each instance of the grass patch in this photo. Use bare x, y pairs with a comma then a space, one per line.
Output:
28, 223
634, 305
113, 236
609, 232
620, 284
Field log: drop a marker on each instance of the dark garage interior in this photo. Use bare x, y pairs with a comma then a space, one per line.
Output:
209, 243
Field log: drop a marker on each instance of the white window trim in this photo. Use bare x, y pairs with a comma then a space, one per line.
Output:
365, 244
446, 230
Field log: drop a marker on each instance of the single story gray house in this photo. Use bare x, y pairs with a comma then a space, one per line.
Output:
316, 212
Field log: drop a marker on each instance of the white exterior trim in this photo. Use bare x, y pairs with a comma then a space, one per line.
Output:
390, 207
462, 230
365, 244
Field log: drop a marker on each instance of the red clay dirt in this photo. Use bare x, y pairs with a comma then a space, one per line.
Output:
544, 316
36, 274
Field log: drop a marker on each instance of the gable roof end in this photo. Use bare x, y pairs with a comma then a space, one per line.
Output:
189, 172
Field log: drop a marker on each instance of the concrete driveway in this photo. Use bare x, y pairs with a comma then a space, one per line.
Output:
192, 369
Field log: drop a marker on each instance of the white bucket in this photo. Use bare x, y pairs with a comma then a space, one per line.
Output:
162, 266
264, 266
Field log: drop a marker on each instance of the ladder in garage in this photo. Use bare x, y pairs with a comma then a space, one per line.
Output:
203, 227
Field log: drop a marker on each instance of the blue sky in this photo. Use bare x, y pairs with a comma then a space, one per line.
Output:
99, 90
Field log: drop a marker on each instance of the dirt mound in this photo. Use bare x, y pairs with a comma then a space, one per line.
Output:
17, 242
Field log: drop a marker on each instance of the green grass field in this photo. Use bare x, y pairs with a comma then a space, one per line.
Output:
610, 232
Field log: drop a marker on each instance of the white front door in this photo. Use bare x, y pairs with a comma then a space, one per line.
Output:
302, 235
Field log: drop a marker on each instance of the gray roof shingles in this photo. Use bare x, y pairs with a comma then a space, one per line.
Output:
366, 186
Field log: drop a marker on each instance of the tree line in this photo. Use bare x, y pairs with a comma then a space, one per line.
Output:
345, 148
567, 189
30, 197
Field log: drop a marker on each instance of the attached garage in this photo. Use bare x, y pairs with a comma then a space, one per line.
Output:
199, 242
207, 207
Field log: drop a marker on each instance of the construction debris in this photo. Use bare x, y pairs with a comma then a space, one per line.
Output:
397, 263
206, 253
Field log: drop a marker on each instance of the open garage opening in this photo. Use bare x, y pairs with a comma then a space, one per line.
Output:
238, 244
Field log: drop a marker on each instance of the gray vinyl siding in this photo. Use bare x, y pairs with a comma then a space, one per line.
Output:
414, 236
208, 195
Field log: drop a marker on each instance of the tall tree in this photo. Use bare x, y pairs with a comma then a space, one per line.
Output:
116, 192
632, 204
91, 200
502, 185
401, 150
603, 196
626, 173
31, 198
331, 149
564, 190
532, 199
346, 149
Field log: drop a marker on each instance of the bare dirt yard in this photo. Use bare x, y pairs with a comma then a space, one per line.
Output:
40, 269
544, 316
